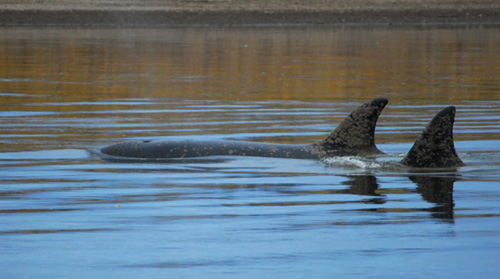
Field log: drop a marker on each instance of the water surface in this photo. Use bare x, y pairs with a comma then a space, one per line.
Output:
65, 93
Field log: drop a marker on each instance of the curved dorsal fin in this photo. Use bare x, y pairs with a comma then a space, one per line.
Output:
434, 148
355, 135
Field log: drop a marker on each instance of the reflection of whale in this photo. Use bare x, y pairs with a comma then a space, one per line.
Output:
354, 136
364, 185
436, 190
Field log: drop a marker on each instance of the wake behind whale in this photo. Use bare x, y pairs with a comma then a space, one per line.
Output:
354, 136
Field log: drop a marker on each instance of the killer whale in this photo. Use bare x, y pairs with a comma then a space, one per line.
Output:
434, 147
354, 136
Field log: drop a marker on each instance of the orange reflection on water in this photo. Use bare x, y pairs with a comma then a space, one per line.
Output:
421, 65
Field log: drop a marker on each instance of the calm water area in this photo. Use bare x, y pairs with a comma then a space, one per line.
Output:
66, 213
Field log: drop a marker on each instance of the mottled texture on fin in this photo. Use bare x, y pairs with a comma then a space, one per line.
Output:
434, 148
355, 135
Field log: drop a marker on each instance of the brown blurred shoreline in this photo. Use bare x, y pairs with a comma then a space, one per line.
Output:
130, 13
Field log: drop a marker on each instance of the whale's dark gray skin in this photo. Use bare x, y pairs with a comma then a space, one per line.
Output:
354, 136
434, 148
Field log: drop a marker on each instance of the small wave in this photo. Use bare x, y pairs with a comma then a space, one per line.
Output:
353, 161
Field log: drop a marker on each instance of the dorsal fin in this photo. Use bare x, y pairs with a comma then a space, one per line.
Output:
434, 148
355, 135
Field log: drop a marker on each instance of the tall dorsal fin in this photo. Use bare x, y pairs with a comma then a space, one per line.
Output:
434, 148
355, 135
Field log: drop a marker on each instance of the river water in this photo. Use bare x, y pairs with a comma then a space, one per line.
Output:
66, 93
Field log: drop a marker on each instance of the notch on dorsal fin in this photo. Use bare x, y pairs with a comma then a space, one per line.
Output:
355, 135
434, 148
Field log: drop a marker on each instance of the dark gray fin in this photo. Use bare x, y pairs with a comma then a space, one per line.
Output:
434, 148
355, 135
